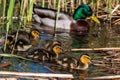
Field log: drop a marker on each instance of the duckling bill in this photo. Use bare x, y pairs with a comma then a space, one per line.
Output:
73, 63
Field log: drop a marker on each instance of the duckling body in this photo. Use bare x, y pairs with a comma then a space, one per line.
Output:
53, 46
73, 63
49, 51
24, 40
41, 55
38, 55
22, 45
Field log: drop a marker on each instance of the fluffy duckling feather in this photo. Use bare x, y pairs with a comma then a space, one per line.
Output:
73, 63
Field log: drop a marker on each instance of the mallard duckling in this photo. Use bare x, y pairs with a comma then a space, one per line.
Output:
73, 63
19, 45
53, 46
24, 41
49, 51
38, 55
74, 25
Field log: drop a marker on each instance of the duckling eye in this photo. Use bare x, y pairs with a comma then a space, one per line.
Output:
57, 49
35, 34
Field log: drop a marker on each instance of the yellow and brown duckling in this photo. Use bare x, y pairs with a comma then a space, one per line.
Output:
24, 40
54, 46
38, 55
71, 62
74, 25
48, 52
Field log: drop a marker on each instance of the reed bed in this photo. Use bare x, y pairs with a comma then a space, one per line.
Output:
99, 7
24, 8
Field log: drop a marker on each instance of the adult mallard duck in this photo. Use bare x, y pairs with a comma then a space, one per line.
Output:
74, 25
71, 62
49, 51
25, 40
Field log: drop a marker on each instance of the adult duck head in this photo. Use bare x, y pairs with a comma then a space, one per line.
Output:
84, 11
79, 27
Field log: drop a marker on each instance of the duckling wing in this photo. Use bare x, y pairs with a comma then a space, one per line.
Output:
22, 45
67, 61
22, 35
38, 55
82, 66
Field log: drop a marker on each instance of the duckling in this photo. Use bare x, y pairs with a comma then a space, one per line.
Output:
38, 55
73, 63
54, 46
49, 51
24, 41
75, 25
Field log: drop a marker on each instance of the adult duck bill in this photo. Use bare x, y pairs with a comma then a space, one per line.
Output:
94, 18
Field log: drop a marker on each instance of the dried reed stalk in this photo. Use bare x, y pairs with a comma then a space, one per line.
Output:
94, 49
24, 74
8, 79
104, 77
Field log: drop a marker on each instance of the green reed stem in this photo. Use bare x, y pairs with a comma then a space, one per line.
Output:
9, 15
65, 2
58, 11
4, 8
54, 4
30, 10
0, 1
12, 55
21, 7
43, 3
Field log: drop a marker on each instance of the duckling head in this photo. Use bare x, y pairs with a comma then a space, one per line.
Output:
35, 33
85, 59
9, 40
57, 48
54, 46
84, 62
